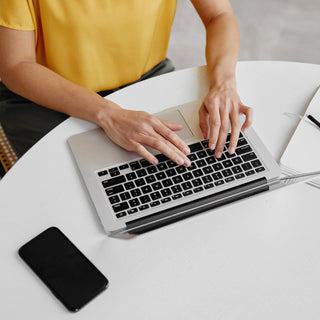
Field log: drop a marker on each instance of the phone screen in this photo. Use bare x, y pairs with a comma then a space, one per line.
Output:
72, 278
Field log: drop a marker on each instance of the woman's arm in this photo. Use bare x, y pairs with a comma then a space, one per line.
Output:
222, 105
132, 130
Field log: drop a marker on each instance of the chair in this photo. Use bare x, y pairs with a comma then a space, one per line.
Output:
7, 156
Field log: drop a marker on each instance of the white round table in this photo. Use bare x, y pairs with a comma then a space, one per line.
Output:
254, 259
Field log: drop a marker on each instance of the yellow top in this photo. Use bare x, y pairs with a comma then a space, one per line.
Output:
99, 44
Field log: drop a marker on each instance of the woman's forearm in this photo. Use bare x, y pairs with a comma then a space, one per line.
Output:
45, 87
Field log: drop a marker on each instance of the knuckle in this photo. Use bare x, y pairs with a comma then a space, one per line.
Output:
224, 128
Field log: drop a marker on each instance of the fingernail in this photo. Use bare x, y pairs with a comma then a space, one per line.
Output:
212, 146
155, 161
218, 154
231, 150
186, 150
187, 162
179, 161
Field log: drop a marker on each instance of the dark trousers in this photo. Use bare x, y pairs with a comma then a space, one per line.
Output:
25, 122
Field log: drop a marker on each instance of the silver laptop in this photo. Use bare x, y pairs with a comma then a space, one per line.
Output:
132, 196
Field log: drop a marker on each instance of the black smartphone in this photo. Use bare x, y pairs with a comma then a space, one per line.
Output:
71, 277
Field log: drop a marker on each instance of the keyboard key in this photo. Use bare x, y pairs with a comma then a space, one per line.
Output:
166, 192
229, 179
216, 176
236, 169
134, 202
192, 157
243, 150
210, 160
121, 215
219, 183
201, 163
129, 185
192, 167
171, 164
154, 203
209, 186
236, 160
161, 175
150, 179
207, 170
198, 189
113, 181
207, 179
152, 169
181, 169
133, 210
241, 142
260, 169
201, 154
114, 172
171, 173
140, 182
250, 172
162, 166
141, 173
145, 199
144, 163
227, 164
186, 185
246, 166
135, 165
240, 175
187, 193
146, 189
167, 183
135, 193
217, 166
155, 195
156, 186
187, 176
177, 196
210, 152
197, 173
125, 196
249, 156
195, 147
197, 182
103, 173
131, 176
176, 189
205, 143
120, 207
226, 173
165, 200
177, 179
124, 166
114, 190
144, 207
114, 199
256, 163
161, 157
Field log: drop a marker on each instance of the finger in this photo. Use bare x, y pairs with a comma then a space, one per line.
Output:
235, 129
204, 121
223, 133
248, 112
159, 143
172, 126
171, 136
215, 123
143, 152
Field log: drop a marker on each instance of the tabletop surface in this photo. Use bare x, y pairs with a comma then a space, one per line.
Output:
254, 259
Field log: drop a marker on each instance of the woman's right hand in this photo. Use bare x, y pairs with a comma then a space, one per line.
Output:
134, 130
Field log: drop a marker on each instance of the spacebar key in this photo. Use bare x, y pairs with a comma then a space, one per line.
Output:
112, 182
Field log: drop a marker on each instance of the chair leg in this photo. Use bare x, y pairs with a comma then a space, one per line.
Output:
7, 156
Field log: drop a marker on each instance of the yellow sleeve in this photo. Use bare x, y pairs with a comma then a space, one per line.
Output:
16, 14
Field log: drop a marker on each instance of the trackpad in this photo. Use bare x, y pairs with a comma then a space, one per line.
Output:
176, 117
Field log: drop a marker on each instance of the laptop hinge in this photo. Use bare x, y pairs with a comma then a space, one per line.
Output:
191, 208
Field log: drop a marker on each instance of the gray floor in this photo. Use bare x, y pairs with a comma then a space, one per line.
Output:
270, 30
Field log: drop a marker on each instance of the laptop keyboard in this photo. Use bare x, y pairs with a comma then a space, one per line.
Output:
138, 185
